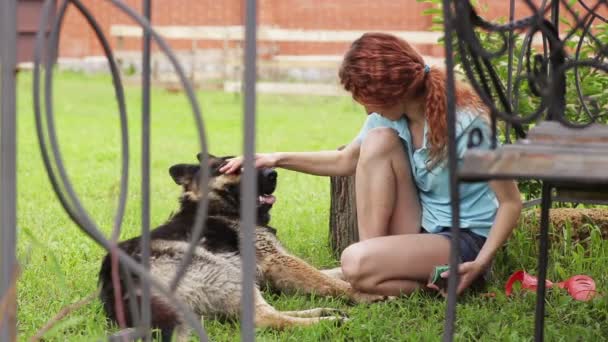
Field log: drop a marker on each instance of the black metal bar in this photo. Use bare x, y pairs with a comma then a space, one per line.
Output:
132, 292
546, 76
249, 184
471, 50
586, 7
558, 104
8, 167
577, 77
145, 170
525, 52
119, 92
510, 70
542, 262
555, 13
201, 213
55, 168
448, 333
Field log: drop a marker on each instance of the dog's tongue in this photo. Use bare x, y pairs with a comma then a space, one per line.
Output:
267, 199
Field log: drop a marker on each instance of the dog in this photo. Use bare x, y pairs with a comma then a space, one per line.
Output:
211, 286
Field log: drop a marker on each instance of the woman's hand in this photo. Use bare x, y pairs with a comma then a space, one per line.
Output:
469, 271
262, 160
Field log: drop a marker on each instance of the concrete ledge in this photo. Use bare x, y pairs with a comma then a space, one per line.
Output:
266, 33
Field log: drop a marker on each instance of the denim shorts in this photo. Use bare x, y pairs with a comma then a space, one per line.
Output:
470, 243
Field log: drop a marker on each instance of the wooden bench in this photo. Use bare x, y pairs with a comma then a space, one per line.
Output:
575, 160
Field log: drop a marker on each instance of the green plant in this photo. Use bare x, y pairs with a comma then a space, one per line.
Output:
593, 81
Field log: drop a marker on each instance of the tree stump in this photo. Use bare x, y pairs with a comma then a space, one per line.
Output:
342, 214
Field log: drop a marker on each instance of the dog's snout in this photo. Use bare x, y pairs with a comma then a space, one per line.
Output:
267, 181
270, 175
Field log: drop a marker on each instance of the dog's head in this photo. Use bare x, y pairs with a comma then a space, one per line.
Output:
224, 190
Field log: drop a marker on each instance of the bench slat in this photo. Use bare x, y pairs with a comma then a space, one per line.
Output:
529, 161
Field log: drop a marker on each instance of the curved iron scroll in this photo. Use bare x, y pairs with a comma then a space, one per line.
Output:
53, 161
545, 72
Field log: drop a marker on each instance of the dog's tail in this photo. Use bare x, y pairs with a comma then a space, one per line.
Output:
106, 292
163, 315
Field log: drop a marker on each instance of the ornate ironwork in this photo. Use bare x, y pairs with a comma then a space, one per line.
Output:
47, 45
544, 72
52, 157
540, 75
62, 186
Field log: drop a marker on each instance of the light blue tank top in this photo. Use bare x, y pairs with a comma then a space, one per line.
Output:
478, 203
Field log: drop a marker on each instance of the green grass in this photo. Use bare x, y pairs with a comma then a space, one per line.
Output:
60, 263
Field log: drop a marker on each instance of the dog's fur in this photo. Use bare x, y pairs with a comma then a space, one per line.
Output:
211, 286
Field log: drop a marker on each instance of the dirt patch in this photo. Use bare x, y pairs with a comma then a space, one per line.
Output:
582, 222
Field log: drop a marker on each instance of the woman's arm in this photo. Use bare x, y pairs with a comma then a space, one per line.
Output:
507, 215
509, 210
323, 163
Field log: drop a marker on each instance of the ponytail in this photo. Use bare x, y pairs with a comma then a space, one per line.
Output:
435, 110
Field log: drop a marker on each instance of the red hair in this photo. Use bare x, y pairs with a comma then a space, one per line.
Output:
381, 69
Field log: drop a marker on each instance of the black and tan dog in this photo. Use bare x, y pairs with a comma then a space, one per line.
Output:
211, 286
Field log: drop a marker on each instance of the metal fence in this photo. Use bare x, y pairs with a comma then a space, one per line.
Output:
46, 46
8, 168
578, 140
545, 74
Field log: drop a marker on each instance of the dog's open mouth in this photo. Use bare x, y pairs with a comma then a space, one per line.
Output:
267, 183
266, 199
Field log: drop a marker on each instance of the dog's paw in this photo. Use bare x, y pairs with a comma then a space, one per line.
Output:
333, 312
338, 320
366, 298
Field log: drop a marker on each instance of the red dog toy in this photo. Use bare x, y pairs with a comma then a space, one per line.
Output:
580, 287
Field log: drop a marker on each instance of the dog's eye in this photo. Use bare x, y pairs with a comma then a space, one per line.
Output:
234, 188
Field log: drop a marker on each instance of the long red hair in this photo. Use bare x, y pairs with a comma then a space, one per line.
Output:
381, 69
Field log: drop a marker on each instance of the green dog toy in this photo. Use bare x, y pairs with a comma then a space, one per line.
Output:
442, 283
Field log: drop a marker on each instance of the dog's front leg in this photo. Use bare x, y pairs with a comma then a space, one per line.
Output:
290, 274
268, 316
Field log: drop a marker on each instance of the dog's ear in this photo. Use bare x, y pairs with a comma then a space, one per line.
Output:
183, 174
211, 157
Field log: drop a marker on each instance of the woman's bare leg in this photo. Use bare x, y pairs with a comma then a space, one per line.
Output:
394, 265
387, 200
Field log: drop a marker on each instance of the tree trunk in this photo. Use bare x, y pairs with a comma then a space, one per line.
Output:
343, 214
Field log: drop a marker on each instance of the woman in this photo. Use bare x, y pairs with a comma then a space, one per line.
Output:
402, 187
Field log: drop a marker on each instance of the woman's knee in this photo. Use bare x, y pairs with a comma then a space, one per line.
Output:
378, 143
354, 262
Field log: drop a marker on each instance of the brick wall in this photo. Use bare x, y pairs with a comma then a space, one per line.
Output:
406, 15
341, 15
78, 39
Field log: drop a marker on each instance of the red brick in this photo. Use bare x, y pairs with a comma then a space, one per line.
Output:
78, 39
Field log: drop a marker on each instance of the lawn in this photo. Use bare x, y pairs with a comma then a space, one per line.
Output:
60, 264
